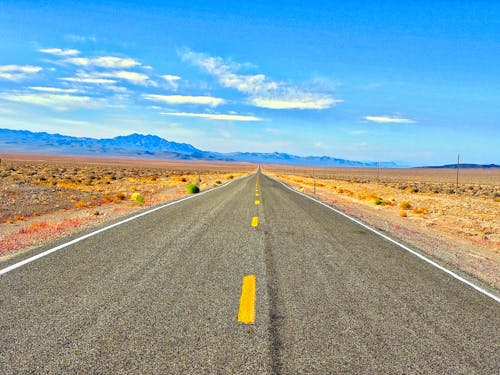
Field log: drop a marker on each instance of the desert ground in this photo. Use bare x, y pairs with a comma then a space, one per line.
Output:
459, 225
44, 197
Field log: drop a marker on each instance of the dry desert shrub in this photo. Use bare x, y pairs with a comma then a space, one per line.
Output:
405, 205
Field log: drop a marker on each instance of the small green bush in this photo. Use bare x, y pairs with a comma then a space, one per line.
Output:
379, 201
193, 189
218, 182
138, 198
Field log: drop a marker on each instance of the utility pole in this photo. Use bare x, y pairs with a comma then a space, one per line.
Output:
314, 178
458, 166
378, 172
199, 180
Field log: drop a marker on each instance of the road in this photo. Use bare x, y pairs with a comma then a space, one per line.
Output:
163, 294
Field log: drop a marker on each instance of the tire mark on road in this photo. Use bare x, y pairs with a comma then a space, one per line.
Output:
275, 317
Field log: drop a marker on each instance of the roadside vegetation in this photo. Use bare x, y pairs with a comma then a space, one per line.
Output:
193, 189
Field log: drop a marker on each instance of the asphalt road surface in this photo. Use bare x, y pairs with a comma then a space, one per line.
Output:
164, 294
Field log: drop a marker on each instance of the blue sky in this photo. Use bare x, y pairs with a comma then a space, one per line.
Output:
409, 81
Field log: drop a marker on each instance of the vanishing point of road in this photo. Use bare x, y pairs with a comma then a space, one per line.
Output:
247, 278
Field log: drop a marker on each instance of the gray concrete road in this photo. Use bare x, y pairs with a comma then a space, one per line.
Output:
161, 294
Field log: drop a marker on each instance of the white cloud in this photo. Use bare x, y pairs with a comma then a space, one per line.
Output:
53, 89
116, 88
214, 116
18, 72
223, 71
60, 52
133, 77
185, 99
99, 81
389, 119
110, 62
110, 77
172, 80
263, 91
82, 61
303, 101
57, 102
80, 38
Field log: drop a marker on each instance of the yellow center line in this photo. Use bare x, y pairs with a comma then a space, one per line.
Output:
256, 194
257, 202
246, 312
255, 221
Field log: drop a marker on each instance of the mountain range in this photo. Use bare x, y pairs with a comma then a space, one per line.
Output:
464, 166
152, 146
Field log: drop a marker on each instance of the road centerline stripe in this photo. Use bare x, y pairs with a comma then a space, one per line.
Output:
255, 221
257, 202
246, 312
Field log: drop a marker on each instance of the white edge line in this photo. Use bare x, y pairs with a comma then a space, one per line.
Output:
76, 240
451, 273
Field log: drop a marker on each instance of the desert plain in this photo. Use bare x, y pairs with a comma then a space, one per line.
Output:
43, 198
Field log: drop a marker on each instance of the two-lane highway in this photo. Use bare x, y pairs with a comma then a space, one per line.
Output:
163, 294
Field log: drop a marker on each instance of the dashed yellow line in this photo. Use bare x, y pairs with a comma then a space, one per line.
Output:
255, 221
246, 312
257, 202
256, 194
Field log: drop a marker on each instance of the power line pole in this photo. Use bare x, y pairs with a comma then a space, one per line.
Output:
378, 172
199, 180
458, 166
314, 177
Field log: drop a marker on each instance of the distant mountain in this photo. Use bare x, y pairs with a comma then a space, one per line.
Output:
464, 166
151, 146
320, 161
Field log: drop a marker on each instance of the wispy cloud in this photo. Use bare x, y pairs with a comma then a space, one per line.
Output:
53, 89
300, 101
223, 71
133, 77
80, 38
214, 116
60, 52
389, 119
172, 80
110, 62
57, 102
98, 81
111, 77
185, 99
263, 91
18, 72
